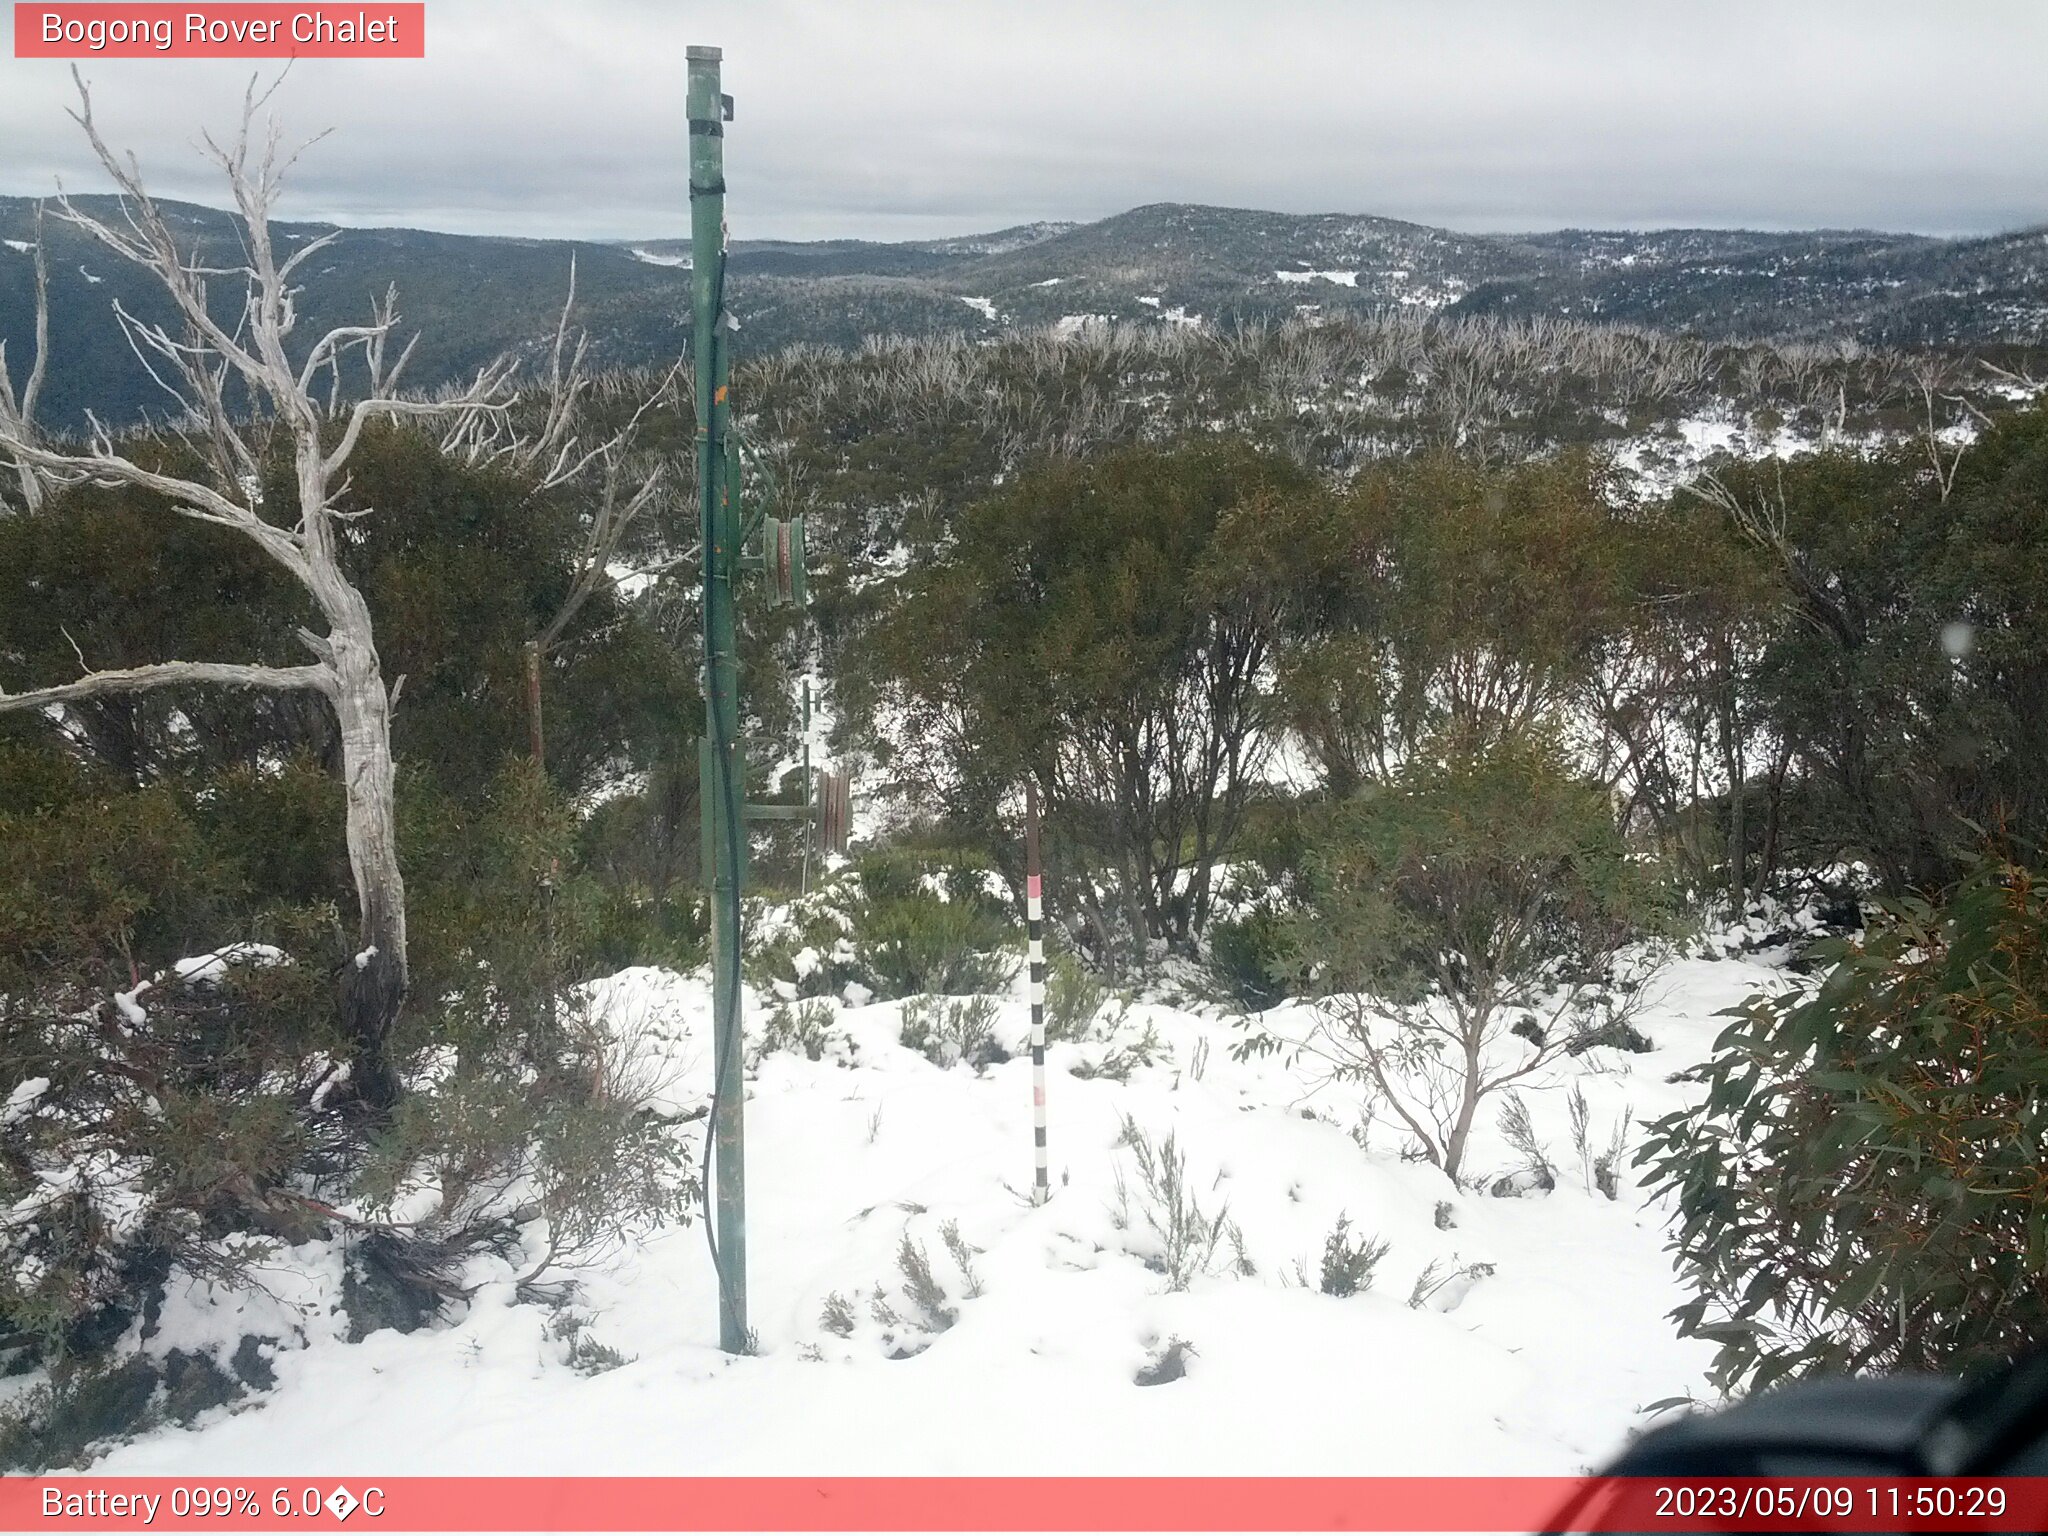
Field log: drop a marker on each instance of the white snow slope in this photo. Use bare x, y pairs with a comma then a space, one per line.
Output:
1540, 1367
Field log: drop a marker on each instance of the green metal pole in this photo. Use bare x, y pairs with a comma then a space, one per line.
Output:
722, 780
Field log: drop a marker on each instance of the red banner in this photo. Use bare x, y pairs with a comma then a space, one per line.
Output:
1023, 1504
360, 31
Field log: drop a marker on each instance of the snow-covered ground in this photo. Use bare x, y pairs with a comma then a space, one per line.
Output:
1541, 1365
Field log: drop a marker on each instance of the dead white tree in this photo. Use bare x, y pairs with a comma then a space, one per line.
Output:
249, 358
18, 407
1934, 377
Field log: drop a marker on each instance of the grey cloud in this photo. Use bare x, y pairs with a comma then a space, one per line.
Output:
893, 118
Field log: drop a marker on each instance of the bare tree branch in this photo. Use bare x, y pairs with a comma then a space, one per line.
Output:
165, 674
197, 368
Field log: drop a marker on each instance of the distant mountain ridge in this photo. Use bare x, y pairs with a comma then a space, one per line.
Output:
473, 297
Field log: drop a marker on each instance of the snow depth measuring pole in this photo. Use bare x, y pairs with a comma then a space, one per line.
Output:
1034, 930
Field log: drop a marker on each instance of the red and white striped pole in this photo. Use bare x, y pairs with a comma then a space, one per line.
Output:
1034, 923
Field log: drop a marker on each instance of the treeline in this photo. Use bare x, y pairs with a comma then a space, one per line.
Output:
1816, 674
881, 430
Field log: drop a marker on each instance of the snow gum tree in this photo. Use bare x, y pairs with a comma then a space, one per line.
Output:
1109, 627
1463, 927
237, 381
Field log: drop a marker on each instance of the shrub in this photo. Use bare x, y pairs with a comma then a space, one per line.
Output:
1168, 1363
949, 1030
582, 1353
923, 1288
922, 943
1519, 1132
128, 1148
964, 1254
1126, 1056
543, 1114
1601, 1167
806, 1028
1074, 995
837, 1315
110, 884
1443, 1284
1248, 955
1865, 1185
814, 927
1185, 1237
925, 928
1347, 1263
1481, 898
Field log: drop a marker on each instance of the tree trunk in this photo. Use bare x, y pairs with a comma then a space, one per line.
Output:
374, 987
1738, 783
1468, 1099
1776, 807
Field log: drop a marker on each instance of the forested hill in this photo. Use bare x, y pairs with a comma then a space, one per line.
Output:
1166, 264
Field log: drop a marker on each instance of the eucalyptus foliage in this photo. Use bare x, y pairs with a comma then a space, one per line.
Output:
1865, 1185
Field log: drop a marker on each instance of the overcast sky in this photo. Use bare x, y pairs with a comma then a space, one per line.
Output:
895, 119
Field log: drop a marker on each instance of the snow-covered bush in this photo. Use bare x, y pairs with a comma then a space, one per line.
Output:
1074, 995
1600, 1165
1444, 1283
904, 1316
915, 933
159, 1129
1168, 1362
1180, 1239
1127, 1051
805, 1027
557, 1146
949, 1030
1464, 927
180, 1122
1348, 1262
